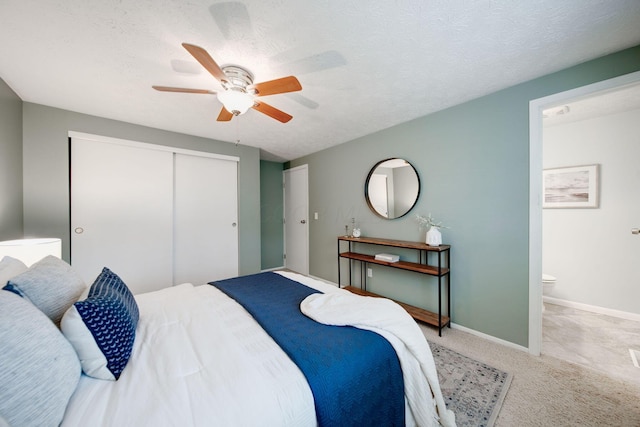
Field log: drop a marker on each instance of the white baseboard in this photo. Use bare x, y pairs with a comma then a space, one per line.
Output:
490, 337
592, 308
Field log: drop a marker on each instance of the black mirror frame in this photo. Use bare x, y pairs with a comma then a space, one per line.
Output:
366, 189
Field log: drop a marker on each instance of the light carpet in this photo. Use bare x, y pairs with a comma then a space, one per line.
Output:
473, 390
548, 392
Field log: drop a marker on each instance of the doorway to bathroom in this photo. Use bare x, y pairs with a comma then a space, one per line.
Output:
591, 315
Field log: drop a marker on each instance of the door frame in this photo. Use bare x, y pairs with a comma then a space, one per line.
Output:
536, 107
286, 213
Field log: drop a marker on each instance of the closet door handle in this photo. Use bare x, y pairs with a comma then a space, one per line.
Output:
635, 231
234, 224
303, 221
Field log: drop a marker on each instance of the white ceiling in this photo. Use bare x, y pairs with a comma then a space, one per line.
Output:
363, 65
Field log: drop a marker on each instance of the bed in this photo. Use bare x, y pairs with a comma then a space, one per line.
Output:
199, 357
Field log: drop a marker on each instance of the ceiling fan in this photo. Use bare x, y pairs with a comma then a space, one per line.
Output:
240, 93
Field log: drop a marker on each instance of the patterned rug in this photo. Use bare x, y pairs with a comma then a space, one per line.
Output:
471, 389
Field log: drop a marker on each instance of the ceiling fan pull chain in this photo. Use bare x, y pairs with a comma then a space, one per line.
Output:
237, 131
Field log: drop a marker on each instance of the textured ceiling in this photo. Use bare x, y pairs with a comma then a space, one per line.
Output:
363, 65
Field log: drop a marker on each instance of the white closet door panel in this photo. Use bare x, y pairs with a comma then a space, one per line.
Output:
206, 219
121, 213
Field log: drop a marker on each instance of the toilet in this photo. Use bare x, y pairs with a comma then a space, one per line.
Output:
548, 281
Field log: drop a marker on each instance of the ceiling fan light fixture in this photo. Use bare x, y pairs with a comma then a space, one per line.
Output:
239, 92
236, 101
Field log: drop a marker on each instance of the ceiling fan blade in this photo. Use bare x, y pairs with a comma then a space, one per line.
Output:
182, 90
203, 57
272, 87
224, 115
272, 112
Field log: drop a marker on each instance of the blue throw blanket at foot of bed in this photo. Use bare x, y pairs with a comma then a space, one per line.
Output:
354, 375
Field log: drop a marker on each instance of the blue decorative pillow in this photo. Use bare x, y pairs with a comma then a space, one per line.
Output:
102, 328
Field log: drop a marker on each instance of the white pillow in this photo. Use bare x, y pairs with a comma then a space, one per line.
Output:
10, 267
51, 285
39, 370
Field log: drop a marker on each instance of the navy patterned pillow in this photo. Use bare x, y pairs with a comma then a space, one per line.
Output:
102, 328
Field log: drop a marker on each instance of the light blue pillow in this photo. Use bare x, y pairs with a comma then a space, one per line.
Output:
102, 328
50, 284
9, 268
39, 370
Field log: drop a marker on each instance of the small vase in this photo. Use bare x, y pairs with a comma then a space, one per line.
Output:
434, 237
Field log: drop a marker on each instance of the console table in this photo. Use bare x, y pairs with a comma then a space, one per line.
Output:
440, 271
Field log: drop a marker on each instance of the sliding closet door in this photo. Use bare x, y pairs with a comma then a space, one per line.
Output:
121, 213
205, 219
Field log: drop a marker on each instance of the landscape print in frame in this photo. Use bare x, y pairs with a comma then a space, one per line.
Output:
570, 187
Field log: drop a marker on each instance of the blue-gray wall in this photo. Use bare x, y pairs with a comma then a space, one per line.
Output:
271, 204
10, 164
46, 173
473, 162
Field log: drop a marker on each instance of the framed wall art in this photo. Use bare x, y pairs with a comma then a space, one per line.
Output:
570, 187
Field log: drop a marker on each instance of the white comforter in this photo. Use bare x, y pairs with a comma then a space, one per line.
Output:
199, 359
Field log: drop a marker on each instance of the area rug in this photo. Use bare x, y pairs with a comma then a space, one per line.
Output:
472, 390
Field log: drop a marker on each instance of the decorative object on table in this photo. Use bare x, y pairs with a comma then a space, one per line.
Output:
346, 231
570, 187
434, 236
355, 231
387, 257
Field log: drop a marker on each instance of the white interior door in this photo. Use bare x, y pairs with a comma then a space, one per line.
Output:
206, 211
296, 208
121, 213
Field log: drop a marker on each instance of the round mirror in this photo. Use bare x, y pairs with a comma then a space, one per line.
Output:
392, 188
